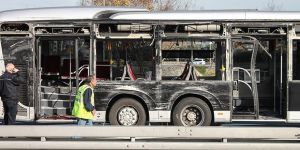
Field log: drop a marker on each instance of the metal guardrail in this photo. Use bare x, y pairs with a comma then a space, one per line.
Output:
114, 137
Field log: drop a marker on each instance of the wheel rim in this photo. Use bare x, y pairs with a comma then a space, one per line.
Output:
192, 115
127, 116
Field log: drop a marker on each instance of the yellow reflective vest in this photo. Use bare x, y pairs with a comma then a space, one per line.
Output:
79, 110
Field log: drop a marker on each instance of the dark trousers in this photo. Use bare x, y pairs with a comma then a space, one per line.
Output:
10, 111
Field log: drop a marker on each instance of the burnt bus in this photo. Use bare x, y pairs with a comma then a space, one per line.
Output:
183, 68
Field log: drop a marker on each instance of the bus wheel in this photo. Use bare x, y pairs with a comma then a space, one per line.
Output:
127, 112
192, 111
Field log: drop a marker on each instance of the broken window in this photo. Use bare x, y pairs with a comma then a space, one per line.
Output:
125, 60
191, 59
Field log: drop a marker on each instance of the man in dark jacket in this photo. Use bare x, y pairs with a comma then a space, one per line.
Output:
9, 93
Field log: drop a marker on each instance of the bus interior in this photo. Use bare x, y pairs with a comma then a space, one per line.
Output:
64, 64
127, 52
119, 60
259, 54
193, 59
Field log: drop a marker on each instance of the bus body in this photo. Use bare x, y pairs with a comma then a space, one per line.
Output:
144, 64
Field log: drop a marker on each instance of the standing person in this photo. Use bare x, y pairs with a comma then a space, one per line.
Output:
84, 105
8, 88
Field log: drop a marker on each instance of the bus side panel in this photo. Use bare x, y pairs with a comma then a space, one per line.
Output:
217, 93
106, 91
293, 114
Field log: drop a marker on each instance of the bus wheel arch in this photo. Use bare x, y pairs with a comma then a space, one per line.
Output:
200, 106
137, 105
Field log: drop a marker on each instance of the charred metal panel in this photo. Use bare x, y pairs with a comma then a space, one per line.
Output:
294, 94
187, 54
218, 93
105, 92
18, 50
162, 95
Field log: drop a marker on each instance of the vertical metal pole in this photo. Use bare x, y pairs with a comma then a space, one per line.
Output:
192, 51
91, 58
228, 63
93, 52
158, 43
253, 79
76, 63
228, 57
274, 81
94, 61
280, 93
2, 63
70, 64
291, 34
158, 63
39, 80
33, 74
110, 43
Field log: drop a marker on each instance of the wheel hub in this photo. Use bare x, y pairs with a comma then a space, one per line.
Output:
127, 116
192, 115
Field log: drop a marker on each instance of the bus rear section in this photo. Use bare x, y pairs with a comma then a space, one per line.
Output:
16, 46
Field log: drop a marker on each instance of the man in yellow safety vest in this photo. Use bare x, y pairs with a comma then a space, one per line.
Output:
84, 105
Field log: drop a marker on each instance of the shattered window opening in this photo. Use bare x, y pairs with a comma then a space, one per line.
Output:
125, 60
199, 57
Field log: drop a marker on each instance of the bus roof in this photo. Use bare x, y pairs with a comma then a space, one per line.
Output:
60, 13
215, 15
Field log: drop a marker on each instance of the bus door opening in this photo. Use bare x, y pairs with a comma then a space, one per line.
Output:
257, 72
64, 64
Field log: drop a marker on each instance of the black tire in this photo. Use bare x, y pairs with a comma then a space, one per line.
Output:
125, 104
192, 111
